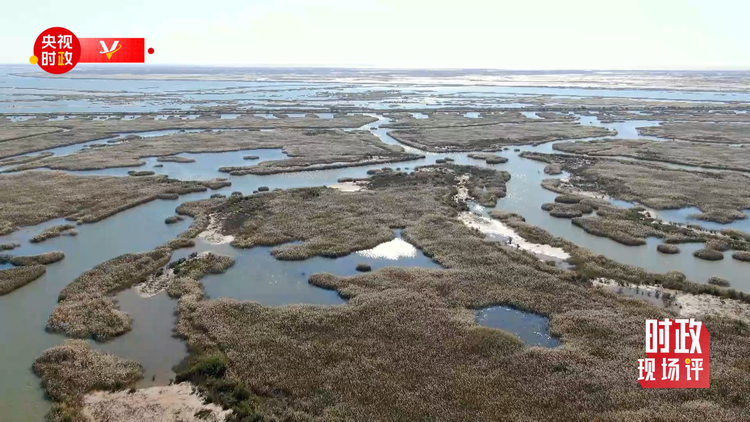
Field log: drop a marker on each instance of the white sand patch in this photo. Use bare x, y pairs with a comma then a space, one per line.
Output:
463, 192
213, 235
155, 284
697, 306
393, 250
346, 187
688, 305
173, 403
496, 228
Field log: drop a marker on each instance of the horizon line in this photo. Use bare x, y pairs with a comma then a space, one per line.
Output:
378, 67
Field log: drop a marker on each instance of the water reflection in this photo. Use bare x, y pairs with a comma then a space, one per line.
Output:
257, 275
531, 328
260, 277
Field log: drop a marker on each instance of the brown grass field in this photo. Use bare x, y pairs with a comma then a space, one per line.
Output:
50, 133
720, 196
723, 133
406, 346
307, 149
31, 198
492, 137
688, 153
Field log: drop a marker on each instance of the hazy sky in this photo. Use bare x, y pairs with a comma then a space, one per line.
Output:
518, 34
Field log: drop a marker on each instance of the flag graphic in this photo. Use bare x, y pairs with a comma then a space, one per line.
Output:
112, 50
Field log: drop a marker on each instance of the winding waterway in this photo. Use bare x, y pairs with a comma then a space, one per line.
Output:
257, 275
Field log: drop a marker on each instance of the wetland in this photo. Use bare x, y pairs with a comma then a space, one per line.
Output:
364, 250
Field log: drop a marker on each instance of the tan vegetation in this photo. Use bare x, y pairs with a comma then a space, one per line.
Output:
280, 217
632, 226
9, 246
736, 234
83, 130
406, 331
590, 266
51, 232
141, 173
741, 256
181, 243
194, 267
718, 281
175, 159
23, 159
721, 197
33, 260
86, 311
363, 268
492, 137
10, 133
406, 346
14, 278
490, 158
72, 369
307, 150
52, 139
720, 245
201, 265
172, 219
666, 248
726, 133
553, 169
89, 316
688, 153
452, 120
561, 210
35, 197
486, 186
567, 198
709, 254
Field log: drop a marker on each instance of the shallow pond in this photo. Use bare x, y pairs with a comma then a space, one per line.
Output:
133, 230
260, 277
257, 275
532, 329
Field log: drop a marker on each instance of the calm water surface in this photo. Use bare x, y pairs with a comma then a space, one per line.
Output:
257, 275
532, 329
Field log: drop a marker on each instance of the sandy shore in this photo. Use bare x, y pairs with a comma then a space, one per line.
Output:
213, 235
496, 228
173, 403
155, 284
347, 187
689, 305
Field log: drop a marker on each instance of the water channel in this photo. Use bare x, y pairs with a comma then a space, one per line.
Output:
257, 275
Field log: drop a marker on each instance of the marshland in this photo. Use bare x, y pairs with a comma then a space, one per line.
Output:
390, 251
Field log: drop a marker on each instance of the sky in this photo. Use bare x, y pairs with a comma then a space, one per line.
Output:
500, 34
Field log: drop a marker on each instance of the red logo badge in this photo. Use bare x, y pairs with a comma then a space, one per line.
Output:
57, 50
677, 355
113, 50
